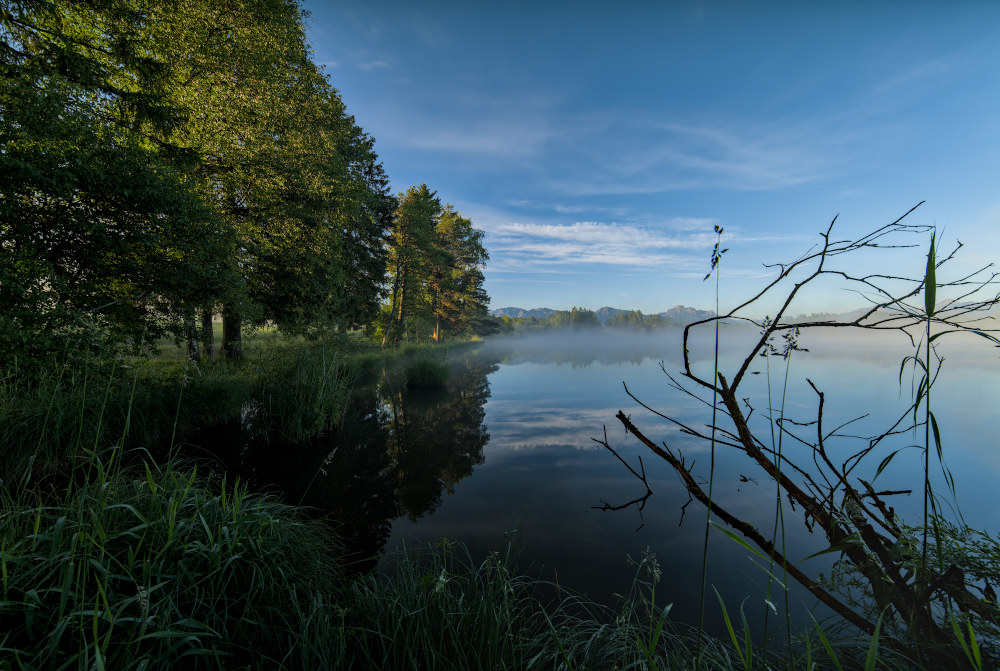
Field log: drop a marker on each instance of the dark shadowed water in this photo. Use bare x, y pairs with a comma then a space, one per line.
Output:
507, 448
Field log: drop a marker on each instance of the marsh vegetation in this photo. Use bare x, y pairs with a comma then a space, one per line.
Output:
236, 371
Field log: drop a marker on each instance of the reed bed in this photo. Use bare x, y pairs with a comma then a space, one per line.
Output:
424, 373
440, 609
52, 416
160, 567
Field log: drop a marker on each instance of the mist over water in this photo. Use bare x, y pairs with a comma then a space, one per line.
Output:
542, 474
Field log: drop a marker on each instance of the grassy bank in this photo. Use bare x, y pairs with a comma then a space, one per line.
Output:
53, 416
168, 567
160, 567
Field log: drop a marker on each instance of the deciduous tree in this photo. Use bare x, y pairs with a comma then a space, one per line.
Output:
101, 226
412, 243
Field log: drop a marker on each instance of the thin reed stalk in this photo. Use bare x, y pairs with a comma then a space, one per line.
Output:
717, 270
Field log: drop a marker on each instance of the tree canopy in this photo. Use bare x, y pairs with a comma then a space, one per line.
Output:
436, 260
163, 158
100, 224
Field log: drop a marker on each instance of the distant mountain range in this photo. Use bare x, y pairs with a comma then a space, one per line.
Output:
680, 314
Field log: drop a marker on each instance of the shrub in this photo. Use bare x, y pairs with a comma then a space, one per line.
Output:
426, 373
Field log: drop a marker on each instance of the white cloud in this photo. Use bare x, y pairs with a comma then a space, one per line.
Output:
517, 246
612, 235
631, 156
690, 223
570, 209
679, 249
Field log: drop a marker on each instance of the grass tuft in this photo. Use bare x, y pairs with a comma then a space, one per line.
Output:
159, 566
426, 373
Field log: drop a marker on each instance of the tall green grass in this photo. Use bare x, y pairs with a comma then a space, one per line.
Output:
440, 609
426, 373
54, 414
302, 394
149, 567
716, 269
160, 567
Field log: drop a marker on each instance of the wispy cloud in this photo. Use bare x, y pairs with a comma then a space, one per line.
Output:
699, 224
592, 232
496, 139
631, 156
535, 246
367, 66
679, 248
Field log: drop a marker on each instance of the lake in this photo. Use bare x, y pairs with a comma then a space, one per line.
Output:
507, 450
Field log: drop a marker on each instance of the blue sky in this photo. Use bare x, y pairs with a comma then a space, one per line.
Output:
597, 144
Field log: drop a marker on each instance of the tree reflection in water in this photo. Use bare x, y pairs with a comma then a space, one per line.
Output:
396, 453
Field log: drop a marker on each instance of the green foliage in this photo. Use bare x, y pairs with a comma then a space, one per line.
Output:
101, 229
411, 253
364, 363
440, 609
458, 299
160, 566
584, 319
143, 183
295, 179
636, 321
51, 415
436, 261
975, 556
426, 373
577, 318
304, 396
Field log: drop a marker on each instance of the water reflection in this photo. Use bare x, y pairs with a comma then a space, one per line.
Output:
398, 452
543, 474
402, 455
585, 349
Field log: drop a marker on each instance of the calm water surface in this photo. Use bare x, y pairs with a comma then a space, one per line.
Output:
508, 448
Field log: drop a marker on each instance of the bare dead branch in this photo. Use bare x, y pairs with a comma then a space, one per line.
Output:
695, 490
845, 513
639, 503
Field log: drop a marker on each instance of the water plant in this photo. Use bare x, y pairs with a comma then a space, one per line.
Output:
426, 373
905, 603
50, 414
439, 608
301, 395
716, 269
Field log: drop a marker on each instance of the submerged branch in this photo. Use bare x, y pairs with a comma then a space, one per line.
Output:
695, 490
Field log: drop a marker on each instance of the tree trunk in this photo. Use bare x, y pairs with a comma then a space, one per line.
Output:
436, 313
191, 335
401, 317
386, 337
207, 334
398, 298
232, 335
